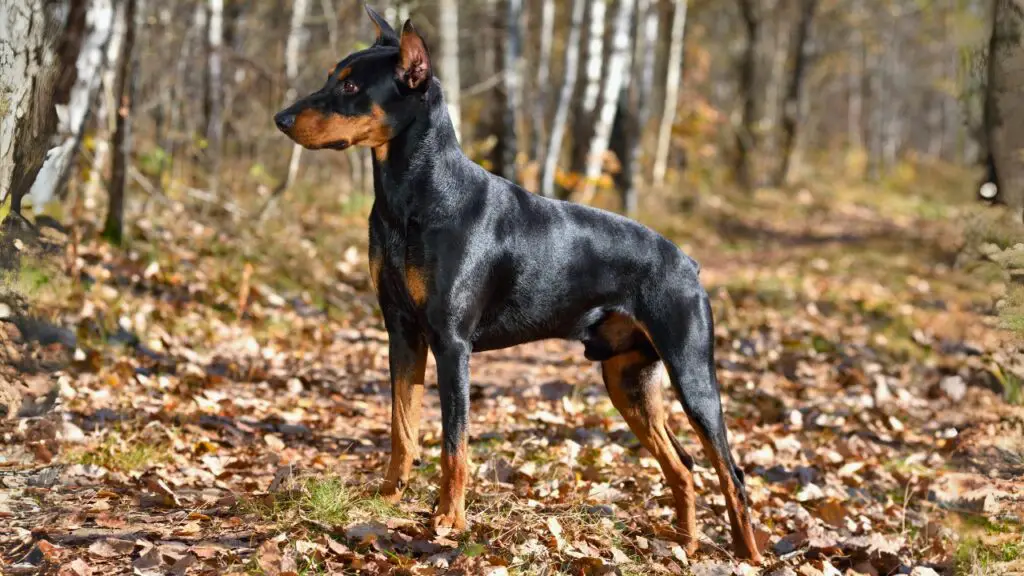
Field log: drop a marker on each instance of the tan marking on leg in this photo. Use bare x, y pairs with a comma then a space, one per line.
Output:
451, 507
619, 330
416, 284
381, 152
375, 267
406, 401
744, 543
634, 382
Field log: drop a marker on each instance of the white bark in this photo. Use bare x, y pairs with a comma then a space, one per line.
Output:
638, 93
331, 16
449, 61
296, 38
855, 104
618, 65
27, 65
672, 81
71, 118
215, 126
107, 103
571, 71
512, 72
595, 56
540, 107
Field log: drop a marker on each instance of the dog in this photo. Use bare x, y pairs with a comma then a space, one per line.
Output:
464, 261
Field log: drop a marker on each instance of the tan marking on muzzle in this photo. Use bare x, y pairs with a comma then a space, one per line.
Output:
314, 129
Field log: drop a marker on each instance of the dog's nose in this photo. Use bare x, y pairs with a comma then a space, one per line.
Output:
284, 121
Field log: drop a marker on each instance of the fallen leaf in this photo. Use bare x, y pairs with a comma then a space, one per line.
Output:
269, 558
111, 547
556, 532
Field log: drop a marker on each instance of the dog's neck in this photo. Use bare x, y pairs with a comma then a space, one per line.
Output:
426, 145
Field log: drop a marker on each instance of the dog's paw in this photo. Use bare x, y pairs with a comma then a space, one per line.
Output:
752, 556
448, 522
391, 492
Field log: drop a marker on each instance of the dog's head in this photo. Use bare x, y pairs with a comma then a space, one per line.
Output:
367, 95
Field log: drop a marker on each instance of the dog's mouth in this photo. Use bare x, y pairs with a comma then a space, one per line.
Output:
336, 145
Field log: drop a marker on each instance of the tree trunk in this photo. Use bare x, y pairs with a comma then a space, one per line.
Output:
634, 107
292, 50
540, 105
510, 113
746, 134
113, 229
331, 16
215, 91
583, 119
794, 89
855, 80
449, 61
28, 77
618, 68
561, 118
673, 78
1004, 117
83, 56
893, 122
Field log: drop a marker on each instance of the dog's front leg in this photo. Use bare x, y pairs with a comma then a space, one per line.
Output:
452, 356
408, 361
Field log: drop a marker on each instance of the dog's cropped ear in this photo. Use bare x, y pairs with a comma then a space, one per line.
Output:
386, 35
414, 62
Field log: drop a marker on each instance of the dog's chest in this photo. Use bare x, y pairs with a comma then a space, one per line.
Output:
398, 267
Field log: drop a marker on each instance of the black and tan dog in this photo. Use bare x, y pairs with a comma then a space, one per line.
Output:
464, 261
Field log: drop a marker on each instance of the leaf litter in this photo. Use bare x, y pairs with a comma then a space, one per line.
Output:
205, 419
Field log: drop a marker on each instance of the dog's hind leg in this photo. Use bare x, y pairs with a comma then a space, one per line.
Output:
633, 380
683, 333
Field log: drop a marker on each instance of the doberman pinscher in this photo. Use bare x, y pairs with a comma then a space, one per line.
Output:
464, 261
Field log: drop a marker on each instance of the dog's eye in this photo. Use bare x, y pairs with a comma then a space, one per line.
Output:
348, 87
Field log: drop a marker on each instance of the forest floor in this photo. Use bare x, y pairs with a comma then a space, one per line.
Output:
215, 399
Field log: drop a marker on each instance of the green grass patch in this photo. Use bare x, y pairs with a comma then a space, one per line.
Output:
975, 557
327, 501
117, 453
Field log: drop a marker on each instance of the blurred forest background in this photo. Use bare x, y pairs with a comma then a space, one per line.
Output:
570, 98
193, 369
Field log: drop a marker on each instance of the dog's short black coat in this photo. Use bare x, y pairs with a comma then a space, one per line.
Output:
464, 261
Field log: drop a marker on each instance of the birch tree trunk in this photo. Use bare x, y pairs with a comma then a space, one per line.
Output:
215, 91
583, 119
618, 66
561, 118
746, 135
892, 124
875, 116
449, 60
106, 106
791, 107
84, 61
540, 105
29, 70
1004, 116
855, 80
292, 49
113, 228
331, 17
510, 123
673, 78
634, 106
